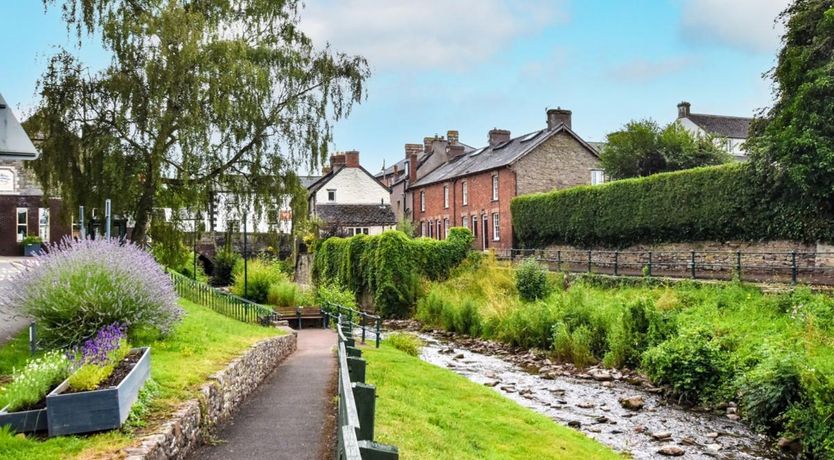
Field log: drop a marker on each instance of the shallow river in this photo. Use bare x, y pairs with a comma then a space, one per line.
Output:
595, 406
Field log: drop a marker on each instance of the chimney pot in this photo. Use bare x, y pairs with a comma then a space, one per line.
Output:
337, 160
683, 109
558, 116
352, 159
412, 168
413, 148
498, 136
453, 136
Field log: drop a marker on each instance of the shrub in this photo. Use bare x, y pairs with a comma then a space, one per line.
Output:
224, 265
97, 358
31, 239
332, 294
285, 294
722, 203
79, 287
531, 280
769, 391
408, 343
32, 383
259, 277
691, 363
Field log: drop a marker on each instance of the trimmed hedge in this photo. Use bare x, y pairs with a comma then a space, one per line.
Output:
389, 266
704, 204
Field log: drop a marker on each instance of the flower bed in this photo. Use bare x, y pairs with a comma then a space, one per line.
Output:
24, 399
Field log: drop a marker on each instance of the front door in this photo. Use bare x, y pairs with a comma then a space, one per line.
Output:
485, 232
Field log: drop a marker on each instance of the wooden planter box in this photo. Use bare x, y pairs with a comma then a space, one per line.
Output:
31, 250
27, 421
97, 410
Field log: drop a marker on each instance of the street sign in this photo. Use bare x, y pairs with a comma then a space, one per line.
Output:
14, 143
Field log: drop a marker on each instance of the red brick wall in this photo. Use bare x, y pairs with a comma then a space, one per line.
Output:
8, 221
480, 203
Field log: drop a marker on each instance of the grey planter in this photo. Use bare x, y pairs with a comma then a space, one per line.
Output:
27, 421
31, 250
96, 410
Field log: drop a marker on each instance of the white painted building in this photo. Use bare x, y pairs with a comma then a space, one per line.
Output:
730, 132
349, 200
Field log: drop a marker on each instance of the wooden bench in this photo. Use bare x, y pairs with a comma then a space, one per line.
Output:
298, 316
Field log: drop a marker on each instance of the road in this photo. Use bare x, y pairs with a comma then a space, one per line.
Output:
11, 322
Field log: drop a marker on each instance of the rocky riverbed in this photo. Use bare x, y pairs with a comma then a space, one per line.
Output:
620, 409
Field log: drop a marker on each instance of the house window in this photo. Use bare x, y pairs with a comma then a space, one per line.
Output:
22, 223
351, 231
6, 180
597, 176
475, 226
496, 224
445, 196
422, 228
439, 228
445, 228
464, 221
495, 187
465, 193
422, 201
43, 224
431, 230
331, 194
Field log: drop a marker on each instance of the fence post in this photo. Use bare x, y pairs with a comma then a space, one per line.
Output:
559, 260
33, 339
650, 263
365, 396
738, 264
356, 369
364, 325
692, 264
793, 267
378, 320
589, 261
616, 262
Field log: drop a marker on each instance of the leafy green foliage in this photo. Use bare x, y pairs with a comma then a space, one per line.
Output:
333, 294
31, 239
407, 343
770, 390
284, 294
388, 266
531, 280
224, 266
32, 383
642, 148
257, 280
722, 203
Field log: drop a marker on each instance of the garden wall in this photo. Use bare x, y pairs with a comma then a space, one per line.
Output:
217, 400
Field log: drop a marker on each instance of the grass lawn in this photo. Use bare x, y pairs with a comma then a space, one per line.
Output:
431, 413
200, 345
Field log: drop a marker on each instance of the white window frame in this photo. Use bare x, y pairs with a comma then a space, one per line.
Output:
43, 224
475, 226
465, 193
464, 222
422, 201
496, 227
422, 228
353, 231
331, 192
495, 187
18, 225
445, 197
439, 228
597, 176
431, 229
445, 228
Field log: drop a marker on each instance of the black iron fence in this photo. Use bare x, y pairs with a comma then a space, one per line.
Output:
357, 402
367, 323
794, 267
222, 302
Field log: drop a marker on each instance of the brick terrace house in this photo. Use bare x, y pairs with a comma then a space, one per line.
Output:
474, 189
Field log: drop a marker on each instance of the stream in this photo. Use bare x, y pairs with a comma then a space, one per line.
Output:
591, 404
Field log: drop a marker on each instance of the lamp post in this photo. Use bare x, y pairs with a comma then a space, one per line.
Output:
195, 228
245, 259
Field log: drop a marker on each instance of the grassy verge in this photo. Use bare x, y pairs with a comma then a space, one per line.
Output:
203, 343
430, 413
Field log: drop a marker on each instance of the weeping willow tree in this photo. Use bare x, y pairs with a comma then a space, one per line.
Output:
198, 96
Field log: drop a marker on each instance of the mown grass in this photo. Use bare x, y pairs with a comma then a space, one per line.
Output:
431, 413
203, 343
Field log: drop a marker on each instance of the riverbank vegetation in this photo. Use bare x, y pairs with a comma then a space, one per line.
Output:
430, 413
706, 343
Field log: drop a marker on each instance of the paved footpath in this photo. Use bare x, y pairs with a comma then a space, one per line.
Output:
12, 320
286, 417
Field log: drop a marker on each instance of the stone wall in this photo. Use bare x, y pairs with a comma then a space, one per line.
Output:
215, 403
560, 162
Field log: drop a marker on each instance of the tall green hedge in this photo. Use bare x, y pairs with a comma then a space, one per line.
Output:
704, 204
388, 266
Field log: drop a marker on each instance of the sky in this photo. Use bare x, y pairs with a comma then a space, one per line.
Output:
474, 65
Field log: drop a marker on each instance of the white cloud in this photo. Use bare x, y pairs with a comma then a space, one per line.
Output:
427, 33
643, 70
744, 24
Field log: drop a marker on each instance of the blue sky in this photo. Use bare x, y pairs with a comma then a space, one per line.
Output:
472, 65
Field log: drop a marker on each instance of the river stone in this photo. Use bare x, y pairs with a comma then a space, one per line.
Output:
671, 451
632, 403
712, 435
492, 383
585, 405
574, 424
601, 376
661, 435
715, 447
733, 417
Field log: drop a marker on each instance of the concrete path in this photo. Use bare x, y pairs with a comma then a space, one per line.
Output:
290, 413
12, 320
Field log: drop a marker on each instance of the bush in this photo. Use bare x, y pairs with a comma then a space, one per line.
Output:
79, 287
32, 383
769, 391
408, 343
260, 276
531, 280
332, 294
722, 203
31, 239
691, 363
224, 266
285, 294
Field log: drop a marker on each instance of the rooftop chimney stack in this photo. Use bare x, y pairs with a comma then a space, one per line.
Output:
498, 136
455, 151
413, 148
558, 116
427, 141
452, 136
337, 160
412, 168
352, 159
683, 109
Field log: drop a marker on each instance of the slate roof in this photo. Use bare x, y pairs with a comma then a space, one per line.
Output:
307, 181
356, 214
734, 127
492, 157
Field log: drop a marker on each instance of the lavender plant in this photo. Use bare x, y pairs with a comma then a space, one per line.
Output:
79, 287
31, 384
97, 357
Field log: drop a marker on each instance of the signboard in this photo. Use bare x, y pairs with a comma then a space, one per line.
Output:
14, 143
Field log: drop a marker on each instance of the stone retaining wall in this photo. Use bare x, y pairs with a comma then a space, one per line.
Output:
215, 403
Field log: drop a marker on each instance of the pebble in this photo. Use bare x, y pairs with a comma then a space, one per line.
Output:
574, 424
671, 451
632, 403
661, 435
712, 435
585, 405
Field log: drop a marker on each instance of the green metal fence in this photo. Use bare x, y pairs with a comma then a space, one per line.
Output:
222, 302
357, 403
367, 323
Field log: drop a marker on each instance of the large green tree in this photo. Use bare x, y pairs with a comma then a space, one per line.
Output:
792, 145
199, 95
643, 148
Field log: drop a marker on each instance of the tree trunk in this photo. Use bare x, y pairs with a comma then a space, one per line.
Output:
142, 218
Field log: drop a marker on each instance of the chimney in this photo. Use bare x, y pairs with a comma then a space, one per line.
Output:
337, 160
413, 148
352, 159
455, 151
452, 136
427, 141
396, 169
498, 136
326, 170
558, 116
683, 109
412, 168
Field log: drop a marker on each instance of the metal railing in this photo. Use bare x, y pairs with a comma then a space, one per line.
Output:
222, 302
330, 312
788, 266
357, 403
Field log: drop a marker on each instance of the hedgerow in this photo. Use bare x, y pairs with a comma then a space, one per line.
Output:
389, 266
703, 204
